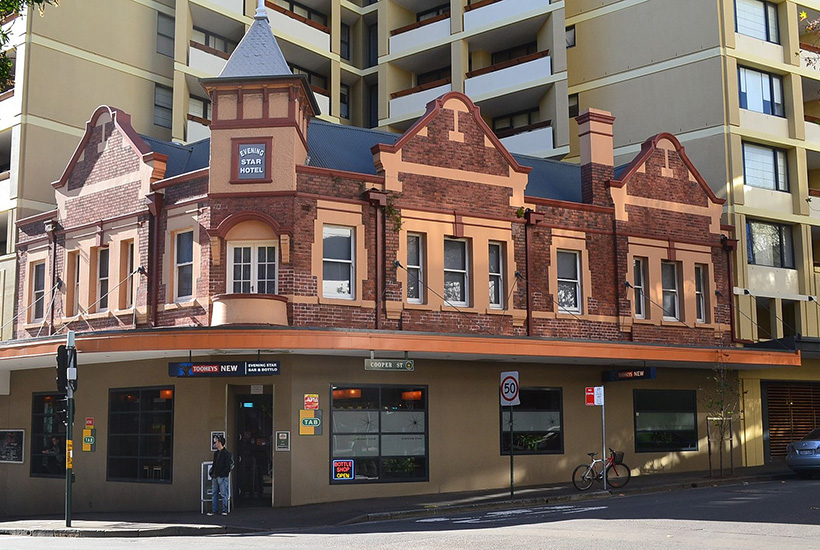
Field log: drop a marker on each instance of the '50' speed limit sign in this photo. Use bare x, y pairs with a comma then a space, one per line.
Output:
509, 388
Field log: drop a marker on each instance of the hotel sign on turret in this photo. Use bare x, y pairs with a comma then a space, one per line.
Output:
252, 161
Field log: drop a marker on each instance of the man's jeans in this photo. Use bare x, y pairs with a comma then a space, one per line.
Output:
220, 487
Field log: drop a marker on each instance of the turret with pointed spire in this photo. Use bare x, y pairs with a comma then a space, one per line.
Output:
261, 112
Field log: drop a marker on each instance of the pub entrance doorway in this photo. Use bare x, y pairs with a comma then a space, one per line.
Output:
254, 464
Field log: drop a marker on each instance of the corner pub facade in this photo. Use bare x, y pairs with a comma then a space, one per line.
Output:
341, 302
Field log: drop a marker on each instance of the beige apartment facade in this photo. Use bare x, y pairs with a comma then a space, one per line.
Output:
738, 82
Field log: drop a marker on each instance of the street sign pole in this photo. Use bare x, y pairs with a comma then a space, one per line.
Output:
603, 435
69, 443
512, 453
508, 392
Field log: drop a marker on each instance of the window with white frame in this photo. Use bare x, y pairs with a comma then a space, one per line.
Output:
639, 286
415, 268
761, 92
757, 19
569, 281
765, 167
456, 276
669, 280
769, 244
496, 275
38, 290
184, 265
102, 279
338, 266
252, 268
700, 296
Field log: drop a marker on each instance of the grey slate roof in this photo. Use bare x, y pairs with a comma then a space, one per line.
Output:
342, 147
182, 158
257, 54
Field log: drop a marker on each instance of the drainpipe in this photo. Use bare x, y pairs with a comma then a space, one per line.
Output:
51, 228
379, 200
531, 219
154, 202
729, 246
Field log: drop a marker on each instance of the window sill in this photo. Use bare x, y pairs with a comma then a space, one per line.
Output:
174, 306
35, 324
673, 323
346, 302
98, 315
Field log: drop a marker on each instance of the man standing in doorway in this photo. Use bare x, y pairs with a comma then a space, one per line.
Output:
219, 472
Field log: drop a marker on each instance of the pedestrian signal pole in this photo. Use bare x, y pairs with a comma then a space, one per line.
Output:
67, 380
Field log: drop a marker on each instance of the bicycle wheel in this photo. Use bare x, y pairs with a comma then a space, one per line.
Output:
617, 475
582, 477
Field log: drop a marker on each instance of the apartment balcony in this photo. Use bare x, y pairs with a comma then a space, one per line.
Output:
236, 6
493, 13
419, 35
301, 29
534, 140
412, 102
516, 74
809, 56
9, 108
198, 128
322, 99
249, 309
206, 60
812, 128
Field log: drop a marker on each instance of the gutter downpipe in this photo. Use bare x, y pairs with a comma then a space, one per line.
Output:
729, 246
379, 200
531, 218
154, 201
51, 228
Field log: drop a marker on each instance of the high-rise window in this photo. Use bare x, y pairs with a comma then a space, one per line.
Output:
757, 19
165, 35
344, 101
761, 92
163, 106
345, 41
765, 167
769, 244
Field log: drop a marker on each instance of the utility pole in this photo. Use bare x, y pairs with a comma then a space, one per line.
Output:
67, 380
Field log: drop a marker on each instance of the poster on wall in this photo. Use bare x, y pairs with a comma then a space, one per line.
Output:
11, 446
214, 435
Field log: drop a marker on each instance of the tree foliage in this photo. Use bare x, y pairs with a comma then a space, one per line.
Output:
9, 8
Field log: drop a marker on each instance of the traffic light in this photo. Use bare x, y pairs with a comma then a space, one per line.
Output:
62, 368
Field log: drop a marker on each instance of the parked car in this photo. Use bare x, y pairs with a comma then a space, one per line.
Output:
804, 456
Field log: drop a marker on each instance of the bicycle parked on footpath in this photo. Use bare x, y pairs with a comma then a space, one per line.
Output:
617, 473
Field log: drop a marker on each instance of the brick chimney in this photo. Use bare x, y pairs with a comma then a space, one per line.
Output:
595, 137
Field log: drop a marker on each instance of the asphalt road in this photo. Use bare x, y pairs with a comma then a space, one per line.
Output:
779, 515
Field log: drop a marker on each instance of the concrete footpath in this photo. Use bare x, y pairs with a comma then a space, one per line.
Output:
298, 518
